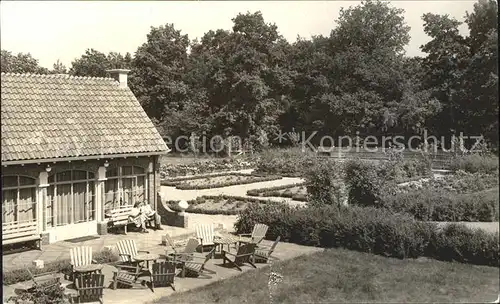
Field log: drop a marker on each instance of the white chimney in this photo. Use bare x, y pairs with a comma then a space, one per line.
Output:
119, 75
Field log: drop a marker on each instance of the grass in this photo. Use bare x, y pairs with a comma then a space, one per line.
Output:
338, 275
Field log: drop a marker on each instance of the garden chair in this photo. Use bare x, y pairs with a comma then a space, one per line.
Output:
80, 256
196, 269
189, 250
257, 235
244, 255
206, 235
90, 288
44, 280
162, 275
263, 254
127, 250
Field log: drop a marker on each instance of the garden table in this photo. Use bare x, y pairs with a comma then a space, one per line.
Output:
146, 257
226, 240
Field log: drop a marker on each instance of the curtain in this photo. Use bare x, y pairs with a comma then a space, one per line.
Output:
27, 205
90, 202
140, 194
128, 191
111, 199
9, 198
63, 204
79, 202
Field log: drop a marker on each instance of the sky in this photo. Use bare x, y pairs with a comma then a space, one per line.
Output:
56, 30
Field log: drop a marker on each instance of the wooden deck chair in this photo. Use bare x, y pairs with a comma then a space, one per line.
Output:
90, 288
44, 280
196, 269
127, 250
244, 255
163, 275
81, 256
189, 250
257, 235
206, 235
263, 254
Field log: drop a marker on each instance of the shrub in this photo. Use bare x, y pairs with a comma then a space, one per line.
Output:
41, 295
440, 205
367, 183
368, 229
474, 163
459, 243
324, 182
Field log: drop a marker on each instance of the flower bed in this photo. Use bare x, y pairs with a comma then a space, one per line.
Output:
218, 204
217, 181
296, 191
201, 167
460, 182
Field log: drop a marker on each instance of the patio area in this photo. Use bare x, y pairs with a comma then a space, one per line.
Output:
143, 294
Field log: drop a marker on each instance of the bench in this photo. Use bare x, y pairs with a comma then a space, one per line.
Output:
18, 233
119, 217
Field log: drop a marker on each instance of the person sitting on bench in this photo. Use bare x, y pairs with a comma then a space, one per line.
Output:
151, 214
138, 218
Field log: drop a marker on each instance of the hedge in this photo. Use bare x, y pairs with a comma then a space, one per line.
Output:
63, 266
372, 230
176, 181
440, 205
201, 167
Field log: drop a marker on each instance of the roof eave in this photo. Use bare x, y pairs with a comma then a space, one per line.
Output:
77, 158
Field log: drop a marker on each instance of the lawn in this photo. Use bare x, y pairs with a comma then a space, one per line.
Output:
338, 275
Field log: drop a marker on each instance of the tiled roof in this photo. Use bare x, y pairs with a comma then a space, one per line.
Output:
61, 116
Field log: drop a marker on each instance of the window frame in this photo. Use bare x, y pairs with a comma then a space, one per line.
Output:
18, 187
90, 197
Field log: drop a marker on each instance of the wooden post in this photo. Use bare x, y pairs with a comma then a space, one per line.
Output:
41, 204
99, 193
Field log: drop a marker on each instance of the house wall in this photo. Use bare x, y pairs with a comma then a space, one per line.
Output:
70, 231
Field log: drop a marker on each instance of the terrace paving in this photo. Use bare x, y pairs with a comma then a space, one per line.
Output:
141, 294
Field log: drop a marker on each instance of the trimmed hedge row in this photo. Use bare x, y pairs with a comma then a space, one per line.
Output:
202, 199
439, 205
176, 181
64, 266
263, 191
372, 230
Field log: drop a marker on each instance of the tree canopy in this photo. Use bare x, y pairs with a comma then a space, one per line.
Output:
250, 82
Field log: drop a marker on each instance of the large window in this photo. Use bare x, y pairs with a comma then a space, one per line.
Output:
71, 198
18, 199
124, 187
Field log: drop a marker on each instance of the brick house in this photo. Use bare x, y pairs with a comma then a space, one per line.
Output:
72, 148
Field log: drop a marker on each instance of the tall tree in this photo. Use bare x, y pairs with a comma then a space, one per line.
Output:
94, 63
20, 63
157, 74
